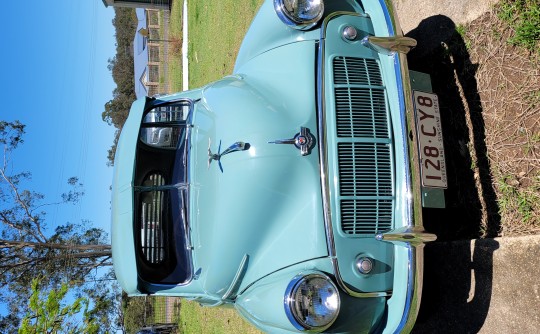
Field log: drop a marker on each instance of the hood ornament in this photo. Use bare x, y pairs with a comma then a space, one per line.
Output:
238, 146
304, 141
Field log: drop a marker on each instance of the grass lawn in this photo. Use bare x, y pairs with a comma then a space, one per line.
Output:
214, 320
216, 29
175, 52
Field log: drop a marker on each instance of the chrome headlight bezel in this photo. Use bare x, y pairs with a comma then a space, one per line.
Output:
290, 301
294, 21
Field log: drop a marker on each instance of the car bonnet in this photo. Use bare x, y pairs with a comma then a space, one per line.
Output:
257, 209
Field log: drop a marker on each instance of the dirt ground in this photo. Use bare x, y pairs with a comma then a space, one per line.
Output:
489, 93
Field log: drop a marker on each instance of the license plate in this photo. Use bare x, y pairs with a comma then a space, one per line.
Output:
430, 140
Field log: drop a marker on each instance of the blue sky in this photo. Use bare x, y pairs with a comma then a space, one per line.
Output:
55, 80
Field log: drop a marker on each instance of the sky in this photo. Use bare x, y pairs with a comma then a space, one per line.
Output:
54, 57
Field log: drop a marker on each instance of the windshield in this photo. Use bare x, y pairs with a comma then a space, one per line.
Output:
161, 192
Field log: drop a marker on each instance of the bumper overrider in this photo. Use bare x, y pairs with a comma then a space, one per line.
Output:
408, 237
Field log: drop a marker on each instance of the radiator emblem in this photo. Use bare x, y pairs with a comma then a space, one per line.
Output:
304, 141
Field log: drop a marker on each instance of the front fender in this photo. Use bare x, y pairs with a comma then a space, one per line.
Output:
263, 303
266, 33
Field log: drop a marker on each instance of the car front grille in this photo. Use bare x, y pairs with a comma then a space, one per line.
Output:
364, 150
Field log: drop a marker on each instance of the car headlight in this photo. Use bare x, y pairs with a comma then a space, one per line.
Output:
312, 302
299, 14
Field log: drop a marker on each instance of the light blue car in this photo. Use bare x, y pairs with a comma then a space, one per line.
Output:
293, 189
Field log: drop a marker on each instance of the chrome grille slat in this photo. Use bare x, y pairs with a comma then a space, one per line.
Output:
365, 216
349, 70
361, 112
364, 153
365, 169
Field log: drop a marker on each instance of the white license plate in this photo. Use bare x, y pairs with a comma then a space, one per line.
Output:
430, 140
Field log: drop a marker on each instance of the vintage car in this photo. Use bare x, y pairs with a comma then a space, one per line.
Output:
291, 190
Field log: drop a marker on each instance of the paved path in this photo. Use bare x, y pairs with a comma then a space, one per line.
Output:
412, 12
481, 286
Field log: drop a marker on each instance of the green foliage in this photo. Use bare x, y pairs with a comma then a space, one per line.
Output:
121, 67
28, 248
11, 134
524, 17
133, 309
461, 30
52, 315
521, 200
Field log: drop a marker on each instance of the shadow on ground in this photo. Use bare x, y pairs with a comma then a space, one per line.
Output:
471, 201
458, 275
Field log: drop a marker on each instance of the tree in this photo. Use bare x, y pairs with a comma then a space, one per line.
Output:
52, 316
121, 67
28, 248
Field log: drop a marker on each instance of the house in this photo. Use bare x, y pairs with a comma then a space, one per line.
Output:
149, 4
140, 55
146, 54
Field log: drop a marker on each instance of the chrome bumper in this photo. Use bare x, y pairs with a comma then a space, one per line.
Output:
413, 235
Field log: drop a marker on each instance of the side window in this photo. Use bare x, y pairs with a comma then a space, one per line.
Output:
161, 126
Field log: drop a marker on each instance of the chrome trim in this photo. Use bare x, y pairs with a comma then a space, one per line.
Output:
303, 141
290, 21
364, 265
389, 45
349, 33
323, 158
288, 300
232, 291
236, 147
413, 215
323, 161
351, 292
408, 234
159, 103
